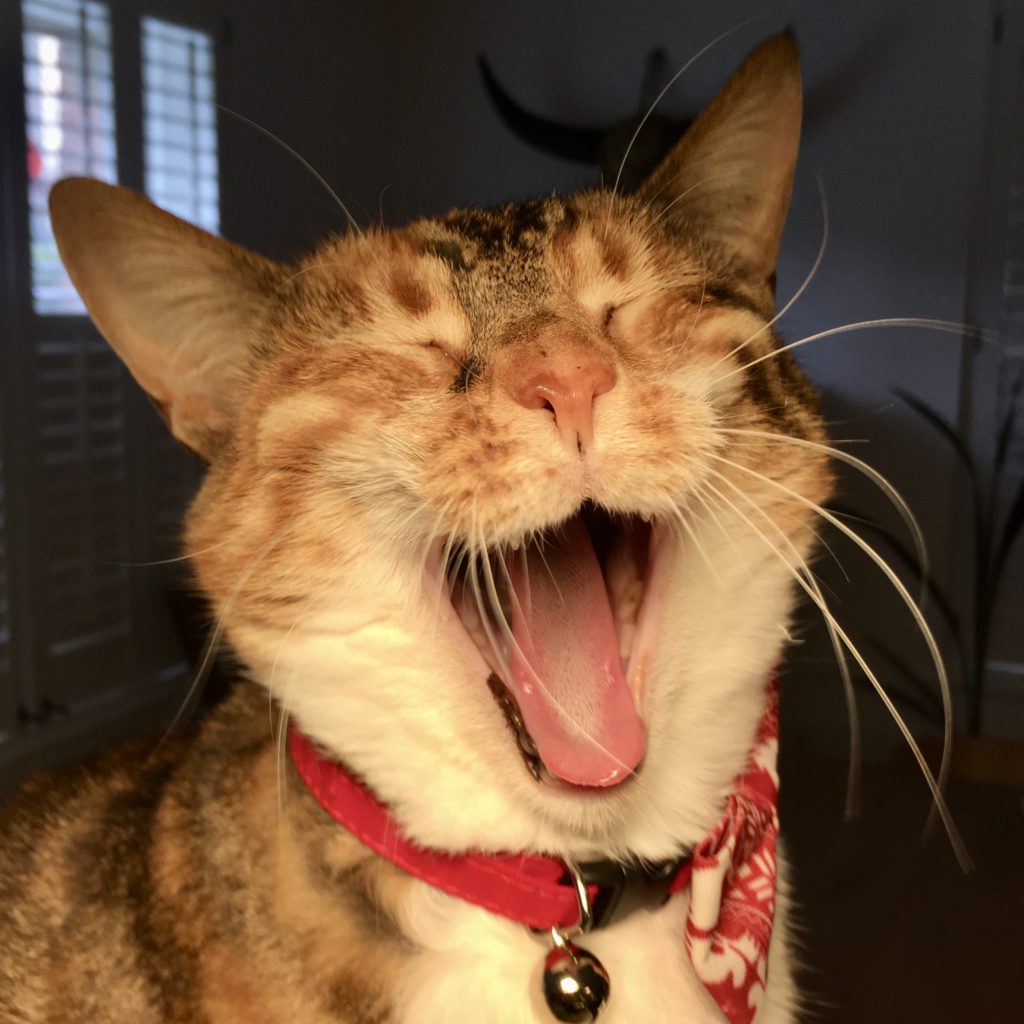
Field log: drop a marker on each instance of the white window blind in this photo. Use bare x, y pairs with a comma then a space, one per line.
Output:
81, 503
179, 121
69, 115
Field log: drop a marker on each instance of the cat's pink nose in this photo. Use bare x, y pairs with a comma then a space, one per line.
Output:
565, 383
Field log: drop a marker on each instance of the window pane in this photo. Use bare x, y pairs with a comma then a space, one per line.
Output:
179, 121
69, 121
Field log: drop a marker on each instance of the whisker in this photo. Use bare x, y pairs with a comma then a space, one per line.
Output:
457, 559
525, 611
280, 731
652, 199
539, 542
696, 315
682, 195
213, 642
817, 538
679, 520
168, 561
963, 858
307, 270
474, 580
853, 769
282, 764
901, 590
883, 484
302, 160
434, 535
709, 509
942, 326
822, 245
668, 85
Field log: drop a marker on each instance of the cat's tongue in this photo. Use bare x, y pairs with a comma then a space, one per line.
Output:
566, 671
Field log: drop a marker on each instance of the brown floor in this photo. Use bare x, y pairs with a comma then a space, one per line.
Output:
894, 931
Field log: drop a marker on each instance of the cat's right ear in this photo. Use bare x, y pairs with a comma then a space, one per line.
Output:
180, 306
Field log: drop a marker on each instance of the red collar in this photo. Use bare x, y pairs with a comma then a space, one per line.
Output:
732, 872
526, 887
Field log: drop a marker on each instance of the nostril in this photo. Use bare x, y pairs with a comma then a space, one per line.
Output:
565, 385
536, 395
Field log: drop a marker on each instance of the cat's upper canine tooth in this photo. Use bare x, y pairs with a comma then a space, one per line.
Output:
627, 632
471, 621
625, 585
637, 678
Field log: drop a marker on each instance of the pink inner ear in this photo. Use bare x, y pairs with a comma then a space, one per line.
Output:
178, 305
197, 422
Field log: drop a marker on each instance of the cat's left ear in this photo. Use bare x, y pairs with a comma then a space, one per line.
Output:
730, 176
183, 308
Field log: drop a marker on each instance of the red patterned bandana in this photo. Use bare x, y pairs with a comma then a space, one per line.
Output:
732, 886
731, 873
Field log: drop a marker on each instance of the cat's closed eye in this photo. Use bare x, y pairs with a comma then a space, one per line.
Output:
442, 349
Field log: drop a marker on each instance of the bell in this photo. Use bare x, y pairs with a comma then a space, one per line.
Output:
576, 984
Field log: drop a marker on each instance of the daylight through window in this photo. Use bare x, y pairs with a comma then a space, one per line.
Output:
179, 121
69, 120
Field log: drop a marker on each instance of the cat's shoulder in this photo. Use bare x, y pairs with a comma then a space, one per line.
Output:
101, 803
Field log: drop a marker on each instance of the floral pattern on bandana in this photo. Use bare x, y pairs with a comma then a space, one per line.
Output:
732, 888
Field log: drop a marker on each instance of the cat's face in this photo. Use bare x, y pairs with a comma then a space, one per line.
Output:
478, 514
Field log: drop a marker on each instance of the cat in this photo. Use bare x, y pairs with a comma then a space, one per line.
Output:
502, 521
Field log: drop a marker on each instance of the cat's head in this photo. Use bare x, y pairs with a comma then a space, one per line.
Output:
499, 505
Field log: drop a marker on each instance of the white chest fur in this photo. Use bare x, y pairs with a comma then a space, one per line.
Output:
476, 966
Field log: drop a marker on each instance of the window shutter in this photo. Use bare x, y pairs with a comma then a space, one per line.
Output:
69, 115
105, 482
90, 620
82, 500
78, 489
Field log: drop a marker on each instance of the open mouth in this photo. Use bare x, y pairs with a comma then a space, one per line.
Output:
560, 621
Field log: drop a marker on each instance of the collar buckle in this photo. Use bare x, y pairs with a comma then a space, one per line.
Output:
621, 889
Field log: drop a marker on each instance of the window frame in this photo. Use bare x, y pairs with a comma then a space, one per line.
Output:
30, 734
986, 364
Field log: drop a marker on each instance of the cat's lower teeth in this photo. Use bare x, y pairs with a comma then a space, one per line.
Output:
504, 699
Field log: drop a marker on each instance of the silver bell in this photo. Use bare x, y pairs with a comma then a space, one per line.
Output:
576, 984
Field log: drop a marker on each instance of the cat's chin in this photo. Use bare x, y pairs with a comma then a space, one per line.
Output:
565, 623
